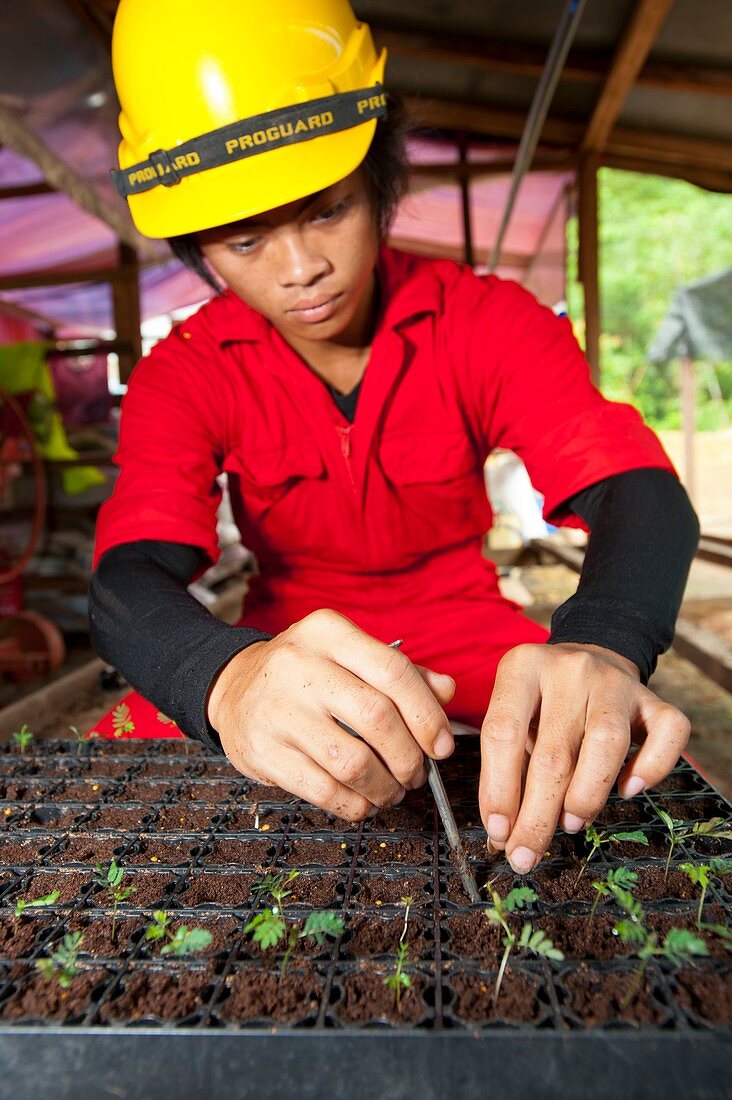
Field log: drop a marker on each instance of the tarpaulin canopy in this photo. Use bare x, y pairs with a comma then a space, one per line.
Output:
698, 324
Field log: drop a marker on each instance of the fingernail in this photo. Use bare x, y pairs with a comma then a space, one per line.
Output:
522, 860
571, 823
444, 744
498, 827
633, 787
374, 811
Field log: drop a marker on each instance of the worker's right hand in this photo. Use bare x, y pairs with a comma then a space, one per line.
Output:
275, 705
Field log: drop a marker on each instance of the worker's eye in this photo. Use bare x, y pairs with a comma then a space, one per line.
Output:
241, 248
331, 212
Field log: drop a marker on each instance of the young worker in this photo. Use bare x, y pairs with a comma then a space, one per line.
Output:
352, 394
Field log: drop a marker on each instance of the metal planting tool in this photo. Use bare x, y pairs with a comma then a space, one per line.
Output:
446, 816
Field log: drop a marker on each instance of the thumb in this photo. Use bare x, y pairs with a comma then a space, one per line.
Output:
441, 685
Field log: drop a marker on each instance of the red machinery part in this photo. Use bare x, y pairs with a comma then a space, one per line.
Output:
31, 646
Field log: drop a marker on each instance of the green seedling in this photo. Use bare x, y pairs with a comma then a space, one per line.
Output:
80, 738
679, 944
62, 963
619, 876
597, 837
110, 879
715, 829
400, 979
23, 738
269, 927
532, 940
37, 903
702, 874
184, 941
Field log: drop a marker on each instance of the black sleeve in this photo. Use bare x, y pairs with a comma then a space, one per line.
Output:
643, 537
166, 644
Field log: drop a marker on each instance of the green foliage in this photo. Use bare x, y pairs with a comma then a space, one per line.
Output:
715, 829
22, 738
597, 837
61, 964
37, 903
80, 738
110, 879
655, 235
400, 978
269, 927
534, 941
183, 941
701, 874
622, 877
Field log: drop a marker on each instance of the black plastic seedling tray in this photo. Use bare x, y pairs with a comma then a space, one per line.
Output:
193, 836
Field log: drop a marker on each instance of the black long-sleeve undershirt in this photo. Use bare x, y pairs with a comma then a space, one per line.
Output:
643, 537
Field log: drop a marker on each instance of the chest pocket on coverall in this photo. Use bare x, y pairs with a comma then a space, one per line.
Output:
259, 480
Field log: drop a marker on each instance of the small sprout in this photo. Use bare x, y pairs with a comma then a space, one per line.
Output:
721, 930
80, 738
597, 837
110, 879
701, 874
535, 941
22, 738
679, 944
620, 876
269, 927
37, 903
183, 941
400, 978
716, 829
62, 963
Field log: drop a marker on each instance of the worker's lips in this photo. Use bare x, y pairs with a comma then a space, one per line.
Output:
321, 310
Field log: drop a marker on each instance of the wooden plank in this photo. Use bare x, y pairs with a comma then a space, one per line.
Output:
582, 65
705, 649
126, 305
17, 135
700, 177
465, 204
63, 278
589, 267
42, 706
717, 551
450, 252
26, 190
641, 32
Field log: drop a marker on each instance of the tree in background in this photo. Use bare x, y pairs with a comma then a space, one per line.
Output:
656, 234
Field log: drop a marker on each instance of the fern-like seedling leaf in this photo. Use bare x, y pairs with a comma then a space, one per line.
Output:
267, 929
680, 944
518, 898
637, 837
321, 924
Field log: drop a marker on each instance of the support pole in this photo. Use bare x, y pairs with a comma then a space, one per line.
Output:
126, 303
688, 418
465, 192
588, 264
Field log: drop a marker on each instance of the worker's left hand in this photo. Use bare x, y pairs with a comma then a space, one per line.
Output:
555, 738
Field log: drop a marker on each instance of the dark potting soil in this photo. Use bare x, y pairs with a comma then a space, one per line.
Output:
250, 853
125, 819
224, 932
555, 883
260, 818
260, 792
214, 794
311, 819
581, 938
694, 809
166, 853
454, 890
623, 812
185, 819
365, 998
413, 853
706, 994
111, 768
320, 891
68, 883
596, 997
89, 848
51, 817
162, 995
265, 995
22, 854
681, 782
518, 1000
150, 891
472, 936
656, 847
215, 768
662, 923
324, 853
366, 937
160, 769
383, 890
405, 816
41, 999
97, 933
84, 790
147, 790
227, 890
17, 938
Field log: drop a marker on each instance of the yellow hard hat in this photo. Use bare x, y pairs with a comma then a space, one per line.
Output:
231, 107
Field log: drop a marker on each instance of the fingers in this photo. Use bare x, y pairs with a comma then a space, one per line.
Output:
305, 778
603, 750
667, 732
551, 766
353, 763
393, 675
503, 744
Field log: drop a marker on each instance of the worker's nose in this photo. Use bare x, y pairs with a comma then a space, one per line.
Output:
299, 264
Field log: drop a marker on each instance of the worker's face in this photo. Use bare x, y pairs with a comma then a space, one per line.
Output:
308, 267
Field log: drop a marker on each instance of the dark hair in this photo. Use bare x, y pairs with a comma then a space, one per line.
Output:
387, 174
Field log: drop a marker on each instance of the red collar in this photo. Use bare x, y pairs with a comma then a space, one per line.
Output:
410, 288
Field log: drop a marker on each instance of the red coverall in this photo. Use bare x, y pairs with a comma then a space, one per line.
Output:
381, 519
